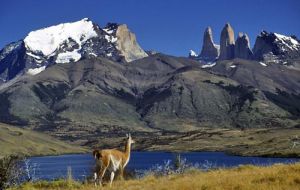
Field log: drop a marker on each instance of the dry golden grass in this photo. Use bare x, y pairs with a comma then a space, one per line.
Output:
15, 140
276, 177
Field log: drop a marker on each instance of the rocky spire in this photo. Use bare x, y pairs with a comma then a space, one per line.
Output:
242, 47
128, 45
210, 51
227, 43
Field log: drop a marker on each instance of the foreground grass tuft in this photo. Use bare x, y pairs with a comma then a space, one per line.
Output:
276, 177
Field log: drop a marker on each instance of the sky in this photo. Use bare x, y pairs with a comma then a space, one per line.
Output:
168, 26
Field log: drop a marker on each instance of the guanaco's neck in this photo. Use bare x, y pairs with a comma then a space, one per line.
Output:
127, 149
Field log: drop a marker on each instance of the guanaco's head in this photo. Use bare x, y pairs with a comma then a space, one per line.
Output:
129, 139
96, 154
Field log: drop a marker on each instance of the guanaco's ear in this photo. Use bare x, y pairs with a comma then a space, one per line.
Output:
94, 153
127, 135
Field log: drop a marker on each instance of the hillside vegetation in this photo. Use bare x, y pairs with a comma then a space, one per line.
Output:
15, 140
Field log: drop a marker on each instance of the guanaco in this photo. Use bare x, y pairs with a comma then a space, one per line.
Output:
112, 160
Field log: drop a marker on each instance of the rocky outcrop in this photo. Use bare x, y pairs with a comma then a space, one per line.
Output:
12, 60
128, 45
276, 48
227, 43
242, 47
210, 51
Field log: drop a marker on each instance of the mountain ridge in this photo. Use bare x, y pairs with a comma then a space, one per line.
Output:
269, 47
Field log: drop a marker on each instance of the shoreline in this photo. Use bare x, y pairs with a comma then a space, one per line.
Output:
171, 152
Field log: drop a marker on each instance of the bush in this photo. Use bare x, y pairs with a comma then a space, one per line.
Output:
178, 165
15, 170
10, 171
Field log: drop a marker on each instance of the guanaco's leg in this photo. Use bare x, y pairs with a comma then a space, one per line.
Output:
96, 173
122, 173
95, 178
112, 175
101, 174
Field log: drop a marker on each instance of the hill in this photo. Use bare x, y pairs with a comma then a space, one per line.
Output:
21, 141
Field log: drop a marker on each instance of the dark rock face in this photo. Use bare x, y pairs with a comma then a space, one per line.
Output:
242, 47
13, 61
210, 51
276, 48
227, 43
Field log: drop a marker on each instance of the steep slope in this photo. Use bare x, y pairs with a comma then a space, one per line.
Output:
279, 84
88, 88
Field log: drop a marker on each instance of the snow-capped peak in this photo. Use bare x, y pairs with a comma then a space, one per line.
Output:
47, 40
289, 42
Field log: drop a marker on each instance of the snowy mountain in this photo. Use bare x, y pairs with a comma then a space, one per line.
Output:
276, 48
68, 42
68, 37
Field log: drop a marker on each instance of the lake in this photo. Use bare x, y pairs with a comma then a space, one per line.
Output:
53, 167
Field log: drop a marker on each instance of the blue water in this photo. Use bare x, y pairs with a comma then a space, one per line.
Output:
53, 167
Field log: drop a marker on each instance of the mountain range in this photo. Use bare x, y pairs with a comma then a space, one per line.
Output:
78, 81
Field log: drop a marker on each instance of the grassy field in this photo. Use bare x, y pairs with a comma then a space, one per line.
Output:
276, 177
15, 140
